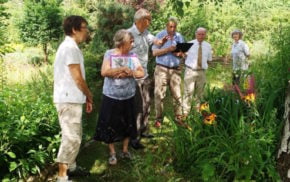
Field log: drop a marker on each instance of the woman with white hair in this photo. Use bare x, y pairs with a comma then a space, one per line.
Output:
240, 54
117, 120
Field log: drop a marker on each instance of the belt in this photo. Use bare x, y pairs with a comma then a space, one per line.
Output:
175, 68
194, 69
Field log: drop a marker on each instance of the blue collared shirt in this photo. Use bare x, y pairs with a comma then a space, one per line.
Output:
168, 59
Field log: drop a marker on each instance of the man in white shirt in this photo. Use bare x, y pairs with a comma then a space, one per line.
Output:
70, 93
196, 64
142, 41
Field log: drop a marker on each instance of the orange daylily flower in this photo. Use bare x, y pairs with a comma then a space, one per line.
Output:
204, 107
250, 97
210, 119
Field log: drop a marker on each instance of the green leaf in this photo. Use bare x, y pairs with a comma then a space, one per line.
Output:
208, 171
12, 166
22, 118
11, 154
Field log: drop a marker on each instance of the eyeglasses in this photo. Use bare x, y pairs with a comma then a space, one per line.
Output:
131, 42
84, 27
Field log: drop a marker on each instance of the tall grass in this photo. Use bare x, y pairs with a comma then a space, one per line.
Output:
242, 144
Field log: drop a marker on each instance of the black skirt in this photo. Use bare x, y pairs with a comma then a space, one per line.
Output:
116, 120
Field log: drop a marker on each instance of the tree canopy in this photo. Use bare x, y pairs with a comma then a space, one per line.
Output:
41, 23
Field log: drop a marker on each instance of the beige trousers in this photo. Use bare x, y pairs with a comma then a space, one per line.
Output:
71, 132
163, 77
142, 101
194, 82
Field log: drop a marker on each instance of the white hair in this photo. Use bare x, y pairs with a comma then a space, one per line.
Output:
140, 14
200, 29
121, 36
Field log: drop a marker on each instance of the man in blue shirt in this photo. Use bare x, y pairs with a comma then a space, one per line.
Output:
167, 71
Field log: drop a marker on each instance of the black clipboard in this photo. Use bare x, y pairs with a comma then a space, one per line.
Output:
183, 47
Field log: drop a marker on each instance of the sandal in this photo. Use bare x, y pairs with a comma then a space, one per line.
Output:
113, 159
126, 155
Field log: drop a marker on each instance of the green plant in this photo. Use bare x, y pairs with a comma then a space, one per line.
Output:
238, 147
29, 128
41, 24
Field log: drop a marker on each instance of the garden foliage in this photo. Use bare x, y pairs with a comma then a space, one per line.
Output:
29, 129
41, 24
242, 142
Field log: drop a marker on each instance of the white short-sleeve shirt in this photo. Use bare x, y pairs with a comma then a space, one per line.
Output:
65, 88
240, 51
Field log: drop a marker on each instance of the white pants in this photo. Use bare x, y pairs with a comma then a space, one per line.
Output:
194, 82
70, 116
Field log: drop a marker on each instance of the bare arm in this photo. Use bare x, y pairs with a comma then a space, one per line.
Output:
121, 72
139, 72
107, 71
159, 52
76, 74
160, 42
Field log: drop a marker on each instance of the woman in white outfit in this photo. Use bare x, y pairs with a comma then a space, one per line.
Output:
240, 54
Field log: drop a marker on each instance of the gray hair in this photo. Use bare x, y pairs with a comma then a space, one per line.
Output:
140, 14
121, 36
200, 29
237, 32
173, 19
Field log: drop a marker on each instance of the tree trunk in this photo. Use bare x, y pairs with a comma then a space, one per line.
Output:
283, 157
44, 48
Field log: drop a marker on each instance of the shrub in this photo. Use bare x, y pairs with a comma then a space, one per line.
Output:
29, 128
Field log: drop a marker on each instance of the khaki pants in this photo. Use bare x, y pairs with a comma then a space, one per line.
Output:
71, 132
142, 104
194, 82
163, 77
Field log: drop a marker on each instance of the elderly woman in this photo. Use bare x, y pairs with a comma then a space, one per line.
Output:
116, 118
240, 53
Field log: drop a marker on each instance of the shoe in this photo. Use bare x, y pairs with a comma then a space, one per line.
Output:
157, 124
147, 135
137, 145
126, 155
113, 159
63, 179
79, 171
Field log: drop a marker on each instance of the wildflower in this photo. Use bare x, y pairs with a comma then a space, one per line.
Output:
250, 97
249, 89
251, 84
210, 119
204, 107
246, 84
